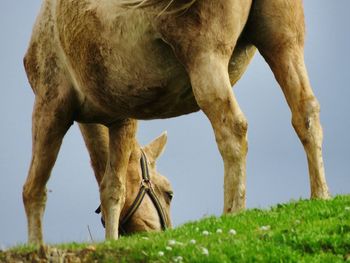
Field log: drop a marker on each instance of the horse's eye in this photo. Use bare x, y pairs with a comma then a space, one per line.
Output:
170, 195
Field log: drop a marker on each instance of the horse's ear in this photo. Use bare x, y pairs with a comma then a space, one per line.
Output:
156, 147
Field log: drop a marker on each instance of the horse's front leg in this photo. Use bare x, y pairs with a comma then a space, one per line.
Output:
96, 137
113, 184
51, 120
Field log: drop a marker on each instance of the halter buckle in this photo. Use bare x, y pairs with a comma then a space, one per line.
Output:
146, 183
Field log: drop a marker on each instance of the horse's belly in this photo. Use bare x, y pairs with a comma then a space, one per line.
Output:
156, 102
152, 85
121, 67
141, 84
173, 99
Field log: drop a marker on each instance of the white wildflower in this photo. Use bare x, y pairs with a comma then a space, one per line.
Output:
232, 232
205, 233
205, 251
145, 238
171, 242
265, 228
219, 231
192, 241
297, 221
160, 253
178, 259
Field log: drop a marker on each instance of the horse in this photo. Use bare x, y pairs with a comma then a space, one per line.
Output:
112, 63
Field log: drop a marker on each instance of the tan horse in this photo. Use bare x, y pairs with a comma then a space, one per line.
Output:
97, 61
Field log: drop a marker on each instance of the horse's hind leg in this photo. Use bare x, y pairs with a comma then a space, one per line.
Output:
280, 39
50, 123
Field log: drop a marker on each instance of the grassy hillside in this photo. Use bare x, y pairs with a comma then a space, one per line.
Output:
304, 231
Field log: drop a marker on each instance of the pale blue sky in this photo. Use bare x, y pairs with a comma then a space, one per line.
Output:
276, 168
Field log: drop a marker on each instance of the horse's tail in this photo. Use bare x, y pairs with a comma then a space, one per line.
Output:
163, 6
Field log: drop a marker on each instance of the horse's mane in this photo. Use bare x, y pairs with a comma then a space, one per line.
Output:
163, 6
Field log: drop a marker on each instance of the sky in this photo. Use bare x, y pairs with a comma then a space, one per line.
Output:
276, 164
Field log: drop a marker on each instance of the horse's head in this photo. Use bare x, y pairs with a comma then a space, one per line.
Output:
148, 193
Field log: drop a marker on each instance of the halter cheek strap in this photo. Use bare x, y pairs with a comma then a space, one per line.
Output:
145, 188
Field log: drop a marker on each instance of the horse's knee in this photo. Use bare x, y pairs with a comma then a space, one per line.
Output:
232, 139
112, 191
33, 197
26, 196
240, 137
237, 127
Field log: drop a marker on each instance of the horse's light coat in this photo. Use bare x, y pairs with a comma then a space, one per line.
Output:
94, 61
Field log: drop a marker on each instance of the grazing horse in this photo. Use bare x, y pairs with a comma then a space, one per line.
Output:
113, 62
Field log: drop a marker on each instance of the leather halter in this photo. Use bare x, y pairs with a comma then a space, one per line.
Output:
145, 188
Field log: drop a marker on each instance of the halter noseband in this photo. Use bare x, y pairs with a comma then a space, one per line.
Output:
145, 188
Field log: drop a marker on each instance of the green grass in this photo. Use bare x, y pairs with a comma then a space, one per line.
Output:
303, 231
